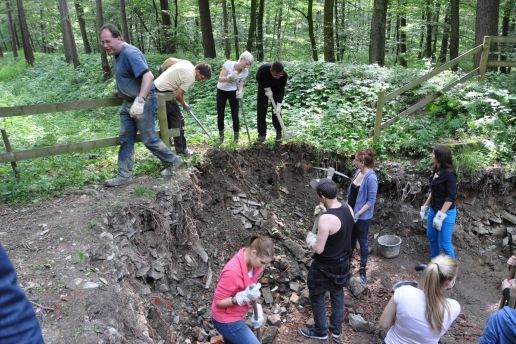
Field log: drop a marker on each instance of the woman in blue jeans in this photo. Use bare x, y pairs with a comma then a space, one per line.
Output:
439, 208
362, 197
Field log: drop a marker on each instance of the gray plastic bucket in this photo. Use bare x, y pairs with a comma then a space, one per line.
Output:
389, 245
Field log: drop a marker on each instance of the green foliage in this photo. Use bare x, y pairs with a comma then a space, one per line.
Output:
327, 105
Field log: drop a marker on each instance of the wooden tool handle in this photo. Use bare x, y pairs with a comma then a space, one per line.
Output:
510, 275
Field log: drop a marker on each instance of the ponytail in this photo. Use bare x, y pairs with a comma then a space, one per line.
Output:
441, 269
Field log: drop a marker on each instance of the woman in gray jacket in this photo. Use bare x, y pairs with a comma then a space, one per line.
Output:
362, 197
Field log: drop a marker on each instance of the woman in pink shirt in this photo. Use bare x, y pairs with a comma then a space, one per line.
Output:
238, 287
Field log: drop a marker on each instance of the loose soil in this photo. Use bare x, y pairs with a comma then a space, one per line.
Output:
138, 264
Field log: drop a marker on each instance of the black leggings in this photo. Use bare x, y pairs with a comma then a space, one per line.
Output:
222, 96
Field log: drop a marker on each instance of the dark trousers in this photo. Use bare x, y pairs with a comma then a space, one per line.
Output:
261, 108
176, 121
360, 232
332, 278
222, 97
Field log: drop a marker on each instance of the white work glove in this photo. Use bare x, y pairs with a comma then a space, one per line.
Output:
239, 94
251, 293
268, 93
319, 209
278, 108
187, 107
231, 77
136, 110
438, 220
422, 212
257, 321
311, 239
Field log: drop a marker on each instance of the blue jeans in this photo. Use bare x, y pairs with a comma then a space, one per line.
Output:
236, 332
443, 238
146, 126
360, 231
319, 311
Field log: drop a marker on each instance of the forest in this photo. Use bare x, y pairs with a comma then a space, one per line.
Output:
339, 54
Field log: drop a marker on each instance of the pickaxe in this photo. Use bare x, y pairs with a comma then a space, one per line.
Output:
245, 118
200, 125
330, 171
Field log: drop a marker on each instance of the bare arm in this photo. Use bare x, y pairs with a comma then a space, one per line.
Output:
225, 303
180, 96
427, 202
326, 223
223, 76
389, 315
446, 206
147, 80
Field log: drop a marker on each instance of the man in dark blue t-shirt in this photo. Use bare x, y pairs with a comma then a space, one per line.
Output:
134, 82
18, 323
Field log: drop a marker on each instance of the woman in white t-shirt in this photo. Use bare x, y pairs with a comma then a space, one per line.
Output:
422, 316
231, 87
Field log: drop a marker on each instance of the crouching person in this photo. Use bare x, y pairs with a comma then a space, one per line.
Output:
237, 288
330, 267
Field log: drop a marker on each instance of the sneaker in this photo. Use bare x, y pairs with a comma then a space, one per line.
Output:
337, 338
310, 333
261, 139
421, 267
170, 168
118, 181
278, 137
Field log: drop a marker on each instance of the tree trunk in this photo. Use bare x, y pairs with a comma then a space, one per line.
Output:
106, 69
507, 12
68, 39
259, 31
227, 41
12, 28
428, 47
337, 38
27, 47
208, 42
251, 35
235, 29
454, 30
329, 53
403, 34
446, 35
43, 29
310, 18
377, 38
435, 27
343, 28
82, 26
123, 22
168, 32
486, 22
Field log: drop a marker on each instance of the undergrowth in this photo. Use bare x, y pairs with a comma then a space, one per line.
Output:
327, 105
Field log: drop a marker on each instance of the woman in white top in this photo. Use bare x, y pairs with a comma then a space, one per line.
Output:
231, 87
422, 316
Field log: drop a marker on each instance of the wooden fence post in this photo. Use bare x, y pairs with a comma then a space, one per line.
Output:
9, 149
378, 117
484, 57
162, 120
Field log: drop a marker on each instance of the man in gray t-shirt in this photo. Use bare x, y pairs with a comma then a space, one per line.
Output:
137, 114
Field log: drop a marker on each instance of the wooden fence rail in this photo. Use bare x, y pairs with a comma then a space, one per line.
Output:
484, 49
26, 110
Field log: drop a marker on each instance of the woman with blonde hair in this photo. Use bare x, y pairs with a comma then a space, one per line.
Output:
417, 316
237, 287
231, 87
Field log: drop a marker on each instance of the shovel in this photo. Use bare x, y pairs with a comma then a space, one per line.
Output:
330, 171
241, 103
200, 125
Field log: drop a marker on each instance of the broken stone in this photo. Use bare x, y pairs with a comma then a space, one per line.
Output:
294, 298
236, 199
142, 271
294, 286
359, 324
296, 249
180, 291
505, 241
269, 335
242, 195
264, 213
509, 217
267, 295
357, 286
274, 319
248, 225
90, 285
155, 275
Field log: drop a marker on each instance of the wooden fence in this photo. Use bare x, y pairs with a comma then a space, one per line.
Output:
484, 49
38, 109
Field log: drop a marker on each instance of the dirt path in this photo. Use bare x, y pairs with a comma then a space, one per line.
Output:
138, 264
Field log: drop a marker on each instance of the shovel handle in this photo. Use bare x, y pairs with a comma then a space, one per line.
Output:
510, 275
